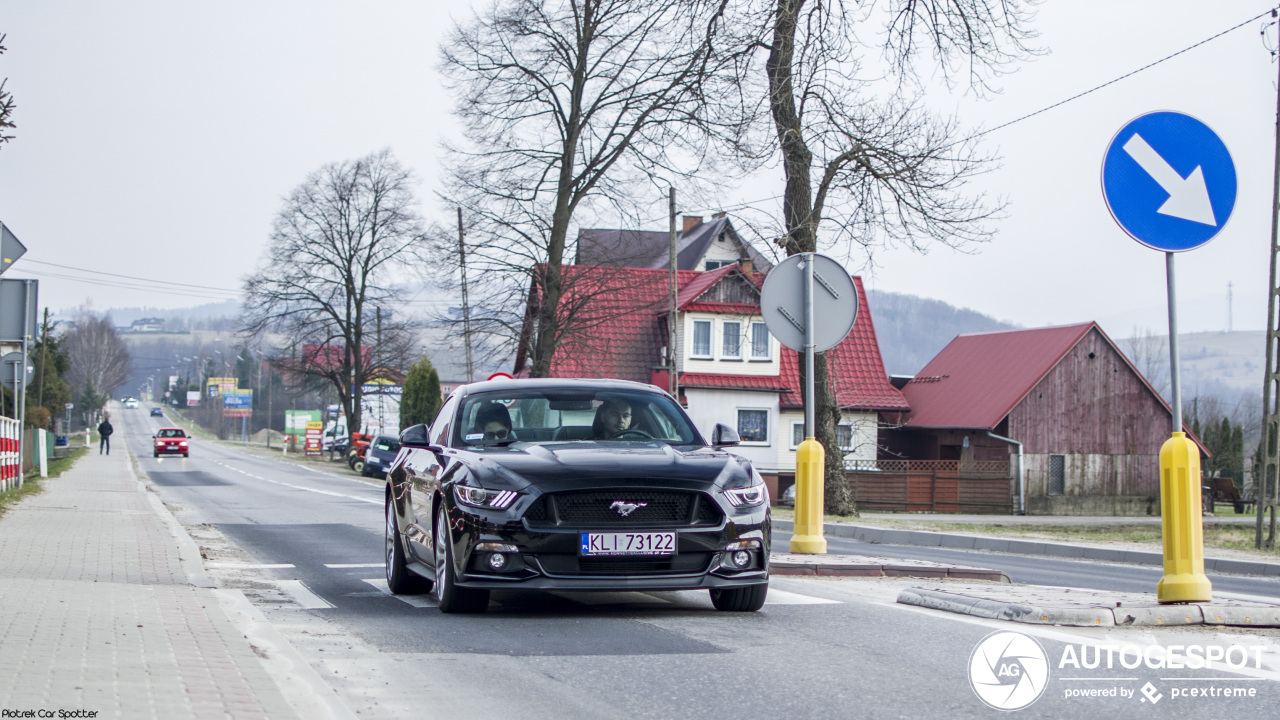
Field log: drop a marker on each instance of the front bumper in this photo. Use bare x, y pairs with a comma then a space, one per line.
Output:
550, 559
171, 449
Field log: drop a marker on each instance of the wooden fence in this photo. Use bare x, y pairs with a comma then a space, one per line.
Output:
945, 486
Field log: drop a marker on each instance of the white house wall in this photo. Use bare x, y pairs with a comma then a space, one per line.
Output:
708, 407
864, 437
717, 364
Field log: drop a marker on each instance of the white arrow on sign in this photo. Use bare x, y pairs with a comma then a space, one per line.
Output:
1188, 197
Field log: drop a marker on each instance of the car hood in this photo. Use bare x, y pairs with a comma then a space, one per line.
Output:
565, 466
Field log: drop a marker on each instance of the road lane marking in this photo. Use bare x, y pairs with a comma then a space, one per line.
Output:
782, 597
418, 601
301, 595
346, 566
249, 566
299, 487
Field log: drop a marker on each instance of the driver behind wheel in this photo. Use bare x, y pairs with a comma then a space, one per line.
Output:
612, 417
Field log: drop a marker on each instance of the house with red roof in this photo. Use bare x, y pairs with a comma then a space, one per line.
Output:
730, 369
1085, 423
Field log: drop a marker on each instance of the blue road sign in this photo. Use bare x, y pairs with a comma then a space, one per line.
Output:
1169, 181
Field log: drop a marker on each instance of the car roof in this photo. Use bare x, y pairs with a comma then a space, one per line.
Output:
173, 428
540, 383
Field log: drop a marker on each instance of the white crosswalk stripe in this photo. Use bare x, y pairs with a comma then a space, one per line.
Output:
301, 595
418, 601
782, 597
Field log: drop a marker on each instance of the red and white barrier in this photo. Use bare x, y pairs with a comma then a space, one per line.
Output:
10, 459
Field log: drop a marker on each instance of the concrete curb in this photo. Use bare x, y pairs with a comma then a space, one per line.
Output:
1086, 614
927, 538
862, 566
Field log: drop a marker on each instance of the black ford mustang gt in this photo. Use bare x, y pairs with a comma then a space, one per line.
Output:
572, 485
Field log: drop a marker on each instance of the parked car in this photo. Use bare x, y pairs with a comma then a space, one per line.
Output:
379, 455
157, 412
553, 484
171, 441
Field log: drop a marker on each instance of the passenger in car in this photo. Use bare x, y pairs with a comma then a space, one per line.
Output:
494, 421
612, 417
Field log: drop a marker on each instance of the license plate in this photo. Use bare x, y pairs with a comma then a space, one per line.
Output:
638, 543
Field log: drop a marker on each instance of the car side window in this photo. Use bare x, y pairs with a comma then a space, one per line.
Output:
440, 427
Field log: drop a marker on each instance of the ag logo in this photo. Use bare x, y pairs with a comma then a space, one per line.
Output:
1008, 670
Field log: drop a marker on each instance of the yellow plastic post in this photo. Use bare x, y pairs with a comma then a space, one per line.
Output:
1184, 579
806, 536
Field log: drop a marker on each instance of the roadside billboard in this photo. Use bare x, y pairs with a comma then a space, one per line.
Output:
237, 402
193, 398
314, 430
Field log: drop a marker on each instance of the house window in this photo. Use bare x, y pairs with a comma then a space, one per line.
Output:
1057, 474
713, 264
702, 338
732, 344
753, 426
844, 436
759, 341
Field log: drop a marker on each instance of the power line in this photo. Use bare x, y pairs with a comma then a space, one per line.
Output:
131, 277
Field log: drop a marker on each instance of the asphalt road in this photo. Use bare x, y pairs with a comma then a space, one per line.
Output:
306, 547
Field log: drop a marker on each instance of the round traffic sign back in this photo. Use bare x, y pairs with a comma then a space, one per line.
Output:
835, 302
1169, 181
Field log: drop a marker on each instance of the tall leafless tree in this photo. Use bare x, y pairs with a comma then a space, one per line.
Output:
327, 286
869, 170
569, 106
99, 359
6, 104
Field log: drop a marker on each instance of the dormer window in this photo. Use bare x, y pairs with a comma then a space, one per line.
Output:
731, 348
702, 339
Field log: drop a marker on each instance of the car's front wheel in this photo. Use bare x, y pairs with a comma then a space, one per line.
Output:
400, 580
742, 599
453, 599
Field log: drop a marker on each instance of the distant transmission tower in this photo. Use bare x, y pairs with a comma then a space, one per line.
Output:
1229, 328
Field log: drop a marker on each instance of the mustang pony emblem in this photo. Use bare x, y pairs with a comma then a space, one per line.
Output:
626, 508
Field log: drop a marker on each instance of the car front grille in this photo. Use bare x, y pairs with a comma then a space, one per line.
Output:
603, 508
682, 564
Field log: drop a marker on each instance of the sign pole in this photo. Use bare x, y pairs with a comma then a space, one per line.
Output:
807, 537
1175, 372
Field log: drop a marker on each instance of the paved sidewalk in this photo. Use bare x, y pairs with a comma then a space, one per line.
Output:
105, 608
1046, 605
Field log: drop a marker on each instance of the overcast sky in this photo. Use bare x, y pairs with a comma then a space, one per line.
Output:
156, 139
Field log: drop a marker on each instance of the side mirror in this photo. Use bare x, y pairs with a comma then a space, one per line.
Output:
415, 436
724, 436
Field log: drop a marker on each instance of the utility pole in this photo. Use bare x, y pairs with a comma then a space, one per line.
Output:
466, 309
44, 355
672, 375
1264, 484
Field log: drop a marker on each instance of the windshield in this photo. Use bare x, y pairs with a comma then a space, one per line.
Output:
572, 415
171, 433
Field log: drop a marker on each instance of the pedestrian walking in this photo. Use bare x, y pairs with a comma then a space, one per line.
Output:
104, 431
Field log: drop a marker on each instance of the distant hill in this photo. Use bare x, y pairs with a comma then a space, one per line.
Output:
912, 329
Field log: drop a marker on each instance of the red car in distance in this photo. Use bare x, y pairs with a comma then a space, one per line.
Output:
171, 441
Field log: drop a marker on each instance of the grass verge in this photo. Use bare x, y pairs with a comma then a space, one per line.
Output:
31, 483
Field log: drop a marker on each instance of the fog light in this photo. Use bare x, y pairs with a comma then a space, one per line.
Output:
741, 558
497, 562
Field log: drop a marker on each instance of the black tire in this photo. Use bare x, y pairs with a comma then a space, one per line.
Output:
400, 579
1239, 508
452, 598
185, 455
155, 454
742, 599
358, 466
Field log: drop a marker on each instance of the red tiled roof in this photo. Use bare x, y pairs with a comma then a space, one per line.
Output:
732, 382
855, 365
621, 314
978, 379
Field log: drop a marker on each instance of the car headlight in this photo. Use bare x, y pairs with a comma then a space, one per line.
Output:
479, 497
747, 496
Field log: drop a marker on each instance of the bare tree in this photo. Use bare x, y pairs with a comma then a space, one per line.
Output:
99, 360
1150, 354
567, 107
6, 104
327, 283
871, 171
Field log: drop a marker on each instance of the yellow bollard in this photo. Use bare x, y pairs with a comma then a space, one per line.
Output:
1184, 579
806, 536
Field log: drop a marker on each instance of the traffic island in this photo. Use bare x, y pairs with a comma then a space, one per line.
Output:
871, 566
1047, 605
